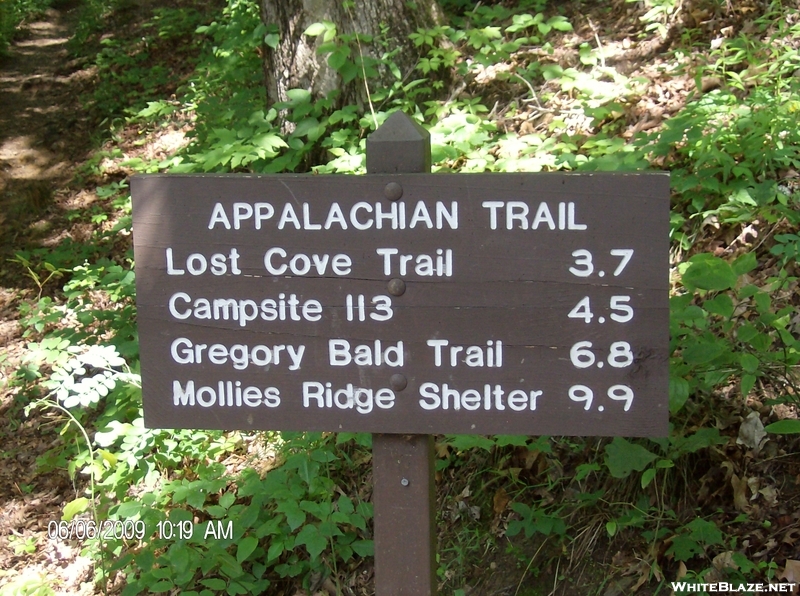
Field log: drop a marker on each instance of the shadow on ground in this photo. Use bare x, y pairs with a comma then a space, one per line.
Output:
43, 132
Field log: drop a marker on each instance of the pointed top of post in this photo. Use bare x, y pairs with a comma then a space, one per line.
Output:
399, 146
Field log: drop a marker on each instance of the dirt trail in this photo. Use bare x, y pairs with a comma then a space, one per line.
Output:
42, 140
33, 94
39, 142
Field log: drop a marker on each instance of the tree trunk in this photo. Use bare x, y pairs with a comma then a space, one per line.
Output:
295, 64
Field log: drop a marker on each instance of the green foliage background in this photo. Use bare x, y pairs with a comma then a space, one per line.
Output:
732, 153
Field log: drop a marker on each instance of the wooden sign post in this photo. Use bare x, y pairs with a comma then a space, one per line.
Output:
404, 304
404, 490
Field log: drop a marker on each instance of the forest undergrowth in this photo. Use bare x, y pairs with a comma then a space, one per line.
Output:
707, 90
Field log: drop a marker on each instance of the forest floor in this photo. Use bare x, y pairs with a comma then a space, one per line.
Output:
43, 140
46, 139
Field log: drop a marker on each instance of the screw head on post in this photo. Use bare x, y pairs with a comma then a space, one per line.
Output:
398, 382
396, 287
393, 191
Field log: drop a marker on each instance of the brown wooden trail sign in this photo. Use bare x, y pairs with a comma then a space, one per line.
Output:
497, 303
402, 302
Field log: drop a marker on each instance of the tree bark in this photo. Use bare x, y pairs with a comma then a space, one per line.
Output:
295, 63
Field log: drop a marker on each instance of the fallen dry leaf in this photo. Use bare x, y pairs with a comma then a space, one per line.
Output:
770, 494
681, 571
740, 493
724, 561
791, 572
530, 458
751, 432
500, 501
792, 536
753, 483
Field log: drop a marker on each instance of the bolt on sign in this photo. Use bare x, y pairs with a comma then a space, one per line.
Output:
414, 303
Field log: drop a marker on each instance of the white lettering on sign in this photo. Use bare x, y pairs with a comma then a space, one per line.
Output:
423, 265
350, 397
585, 267
184, 351
226, 393
582, 393
490, 355
358, 310
302, 264
340, 353
183, 307
584, 354
443, 397
197, 264
259, 212
361, 216
336, 304
517, 213
623, 314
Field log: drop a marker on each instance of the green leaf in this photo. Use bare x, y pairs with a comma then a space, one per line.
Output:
214, 583
784, 427
345, 505
721, 305
648, 476
248, 516
295, 517
75, 507
678, 394
763, 302
560, 24
709, 273
357, 521
338, 58
748, 382
269, 141
314, 542
749, 363
684, 548
275, 550
196, 498
128, 509
705, 531
466, 442
246, 546
364, 548
746, 332
515, 440
178, 556
705, 437
611, 528
164, 585
297, 96
272, 40
315, 29
236, 588
227, 500
229, 566
745, 264
623, 457
703, 352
